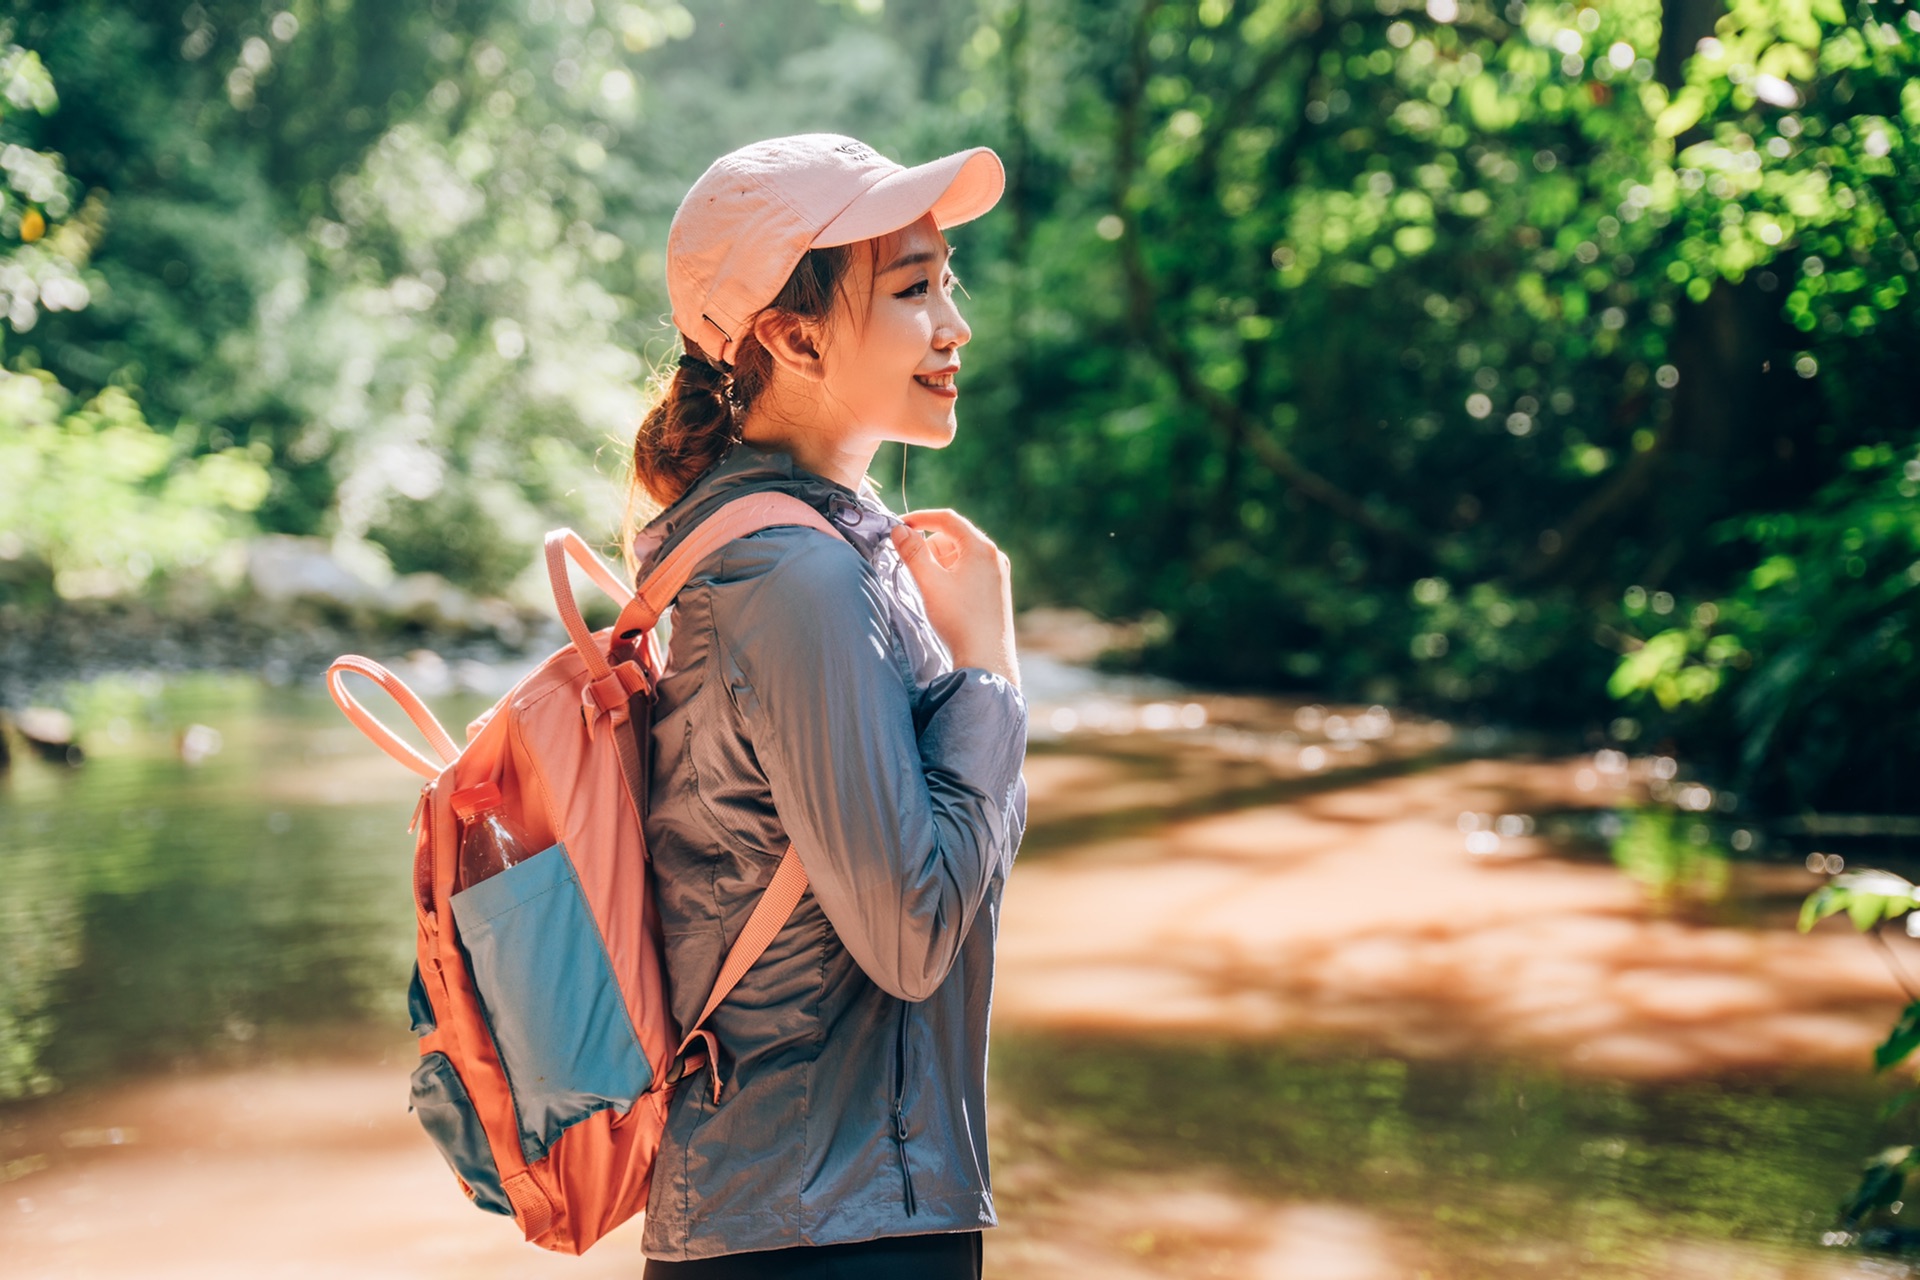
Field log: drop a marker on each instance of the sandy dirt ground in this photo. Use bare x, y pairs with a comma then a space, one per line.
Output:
1345, 906
1357, 909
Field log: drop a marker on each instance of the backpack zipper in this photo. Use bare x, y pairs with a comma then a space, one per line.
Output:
900, 1107
421, 825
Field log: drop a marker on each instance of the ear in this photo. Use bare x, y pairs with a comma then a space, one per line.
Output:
793, 343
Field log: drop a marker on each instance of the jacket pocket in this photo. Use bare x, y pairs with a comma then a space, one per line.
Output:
556, 1013
447, 1114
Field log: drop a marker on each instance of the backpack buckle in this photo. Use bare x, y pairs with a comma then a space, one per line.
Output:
611, 692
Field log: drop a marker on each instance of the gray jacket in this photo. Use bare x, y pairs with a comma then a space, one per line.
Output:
808, 699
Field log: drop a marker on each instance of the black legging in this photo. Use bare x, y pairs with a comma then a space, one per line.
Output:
950, 1256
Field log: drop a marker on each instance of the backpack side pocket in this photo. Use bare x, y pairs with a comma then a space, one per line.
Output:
447, 1114
551, 1001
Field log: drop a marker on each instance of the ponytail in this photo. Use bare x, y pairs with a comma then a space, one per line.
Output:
702, 407
687, 431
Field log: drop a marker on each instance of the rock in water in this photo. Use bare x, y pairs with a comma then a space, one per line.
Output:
50, 733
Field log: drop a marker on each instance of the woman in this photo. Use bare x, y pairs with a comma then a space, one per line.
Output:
857, 696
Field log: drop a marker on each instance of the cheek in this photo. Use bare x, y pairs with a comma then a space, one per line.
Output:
896, 345
909, 328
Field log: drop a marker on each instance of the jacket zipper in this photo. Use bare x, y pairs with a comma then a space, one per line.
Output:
900, 1107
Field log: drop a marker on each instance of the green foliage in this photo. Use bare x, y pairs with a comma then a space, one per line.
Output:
1435, 354
1801, 682
94, 496
44, 241
1868, 898
105, 501
413, 252
1880, 1185
1837, 181
457, 533
1577, 287
1658, 848
1796, 679
1901, 1041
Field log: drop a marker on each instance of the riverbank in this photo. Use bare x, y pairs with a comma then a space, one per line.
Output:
1357, 908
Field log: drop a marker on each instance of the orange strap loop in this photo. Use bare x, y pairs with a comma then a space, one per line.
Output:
776, 904
565, 543
382, 737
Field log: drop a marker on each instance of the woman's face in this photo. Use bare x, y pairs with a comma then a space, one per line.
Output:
889, 374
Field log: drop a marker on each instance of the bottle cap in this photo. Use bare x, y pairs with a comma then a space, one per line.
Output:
477, 799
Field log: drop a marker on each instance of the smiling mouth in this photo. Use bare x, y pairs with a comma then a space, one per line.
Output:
940, 383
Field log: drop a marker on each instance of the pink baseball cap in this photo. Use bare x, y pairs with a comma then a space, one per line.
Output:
755, 212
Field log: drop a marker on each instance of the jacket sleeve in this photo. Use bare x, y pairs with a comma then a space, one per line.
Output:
903, 804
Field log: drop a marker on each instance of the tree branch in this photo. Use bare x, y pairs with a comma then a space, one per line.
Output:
1627, 486
1143, 313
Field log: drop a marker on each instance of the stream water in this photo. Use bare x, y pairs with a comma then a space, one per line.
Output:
223, 882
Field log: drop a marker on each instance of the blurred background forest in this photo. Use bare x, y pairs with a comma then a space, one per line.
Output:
1539, 363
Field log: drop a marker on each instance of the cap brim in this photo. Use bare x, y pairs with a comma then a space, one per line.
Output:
954, 189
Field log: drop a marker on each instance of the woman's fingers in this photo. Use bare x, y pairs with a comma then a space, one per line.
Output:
937, 518
965, 584
951, 523
909, 544
922, 552
950, 535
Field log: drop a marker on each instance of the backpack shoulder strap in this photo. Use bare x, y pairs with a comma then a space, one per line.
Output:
736, 519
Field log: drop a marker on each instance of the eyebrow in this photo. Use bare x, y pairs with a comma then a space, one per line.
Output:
914, 260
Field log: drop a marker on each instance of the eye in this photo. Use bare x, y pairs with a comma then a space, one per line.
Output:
916, 290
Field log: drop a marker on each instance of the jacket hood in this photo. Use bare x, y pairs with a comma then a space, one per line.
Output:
745, 469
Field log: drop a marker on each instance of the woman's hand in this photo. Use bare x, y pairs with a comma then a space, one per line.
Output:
968, 587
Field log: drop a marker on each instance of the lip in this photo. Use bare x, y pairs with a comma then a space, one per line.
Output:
946, 391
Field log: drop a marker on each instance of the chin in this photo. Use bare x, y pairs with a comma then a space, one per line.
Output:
932, 435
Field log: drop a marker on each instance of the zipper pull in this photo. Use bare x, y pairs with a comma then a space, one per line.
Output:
906, 1166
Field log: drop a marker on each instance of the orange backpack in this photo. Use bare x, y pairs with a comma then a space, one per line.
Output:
548, 1046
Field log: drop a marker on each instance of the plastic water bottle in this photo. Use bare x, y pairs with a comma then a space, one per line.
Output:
488, 845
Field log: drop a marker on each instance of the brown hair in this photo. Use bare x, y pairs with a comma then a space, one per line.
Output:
699, 412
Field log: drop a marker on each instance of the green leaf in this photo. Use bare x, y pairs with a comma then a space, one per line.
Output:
1820, 904
1681, 114
1900, 1041
1898, 1103
1864, 909
1661, 655
1871, 880
1880, 1185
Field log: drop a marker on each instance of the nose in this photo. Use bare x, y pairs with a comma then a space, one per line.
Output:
950, 329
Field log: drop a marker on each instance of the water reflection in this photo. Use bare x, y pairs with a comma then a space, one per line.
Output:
1457, 1168
199, 884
